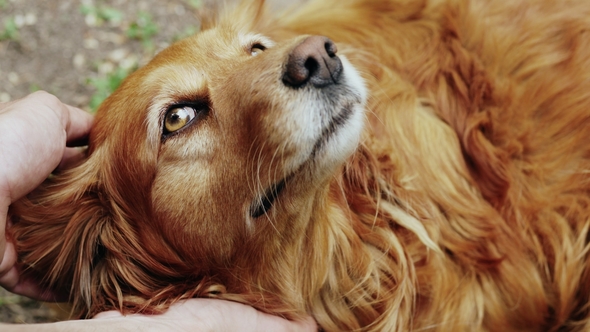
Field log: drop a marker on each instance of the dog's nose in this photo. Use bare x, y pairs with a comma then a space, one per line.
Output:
313, 61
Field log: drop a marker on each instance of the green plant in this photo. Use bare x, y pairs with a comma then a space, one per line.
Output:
10, 31
34, 87
106, 85
102, 13
143, 29
187, 32
8, 299
195, 3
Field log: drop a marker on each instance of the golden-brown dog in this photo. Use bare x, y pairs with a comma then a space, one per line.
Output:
447, 189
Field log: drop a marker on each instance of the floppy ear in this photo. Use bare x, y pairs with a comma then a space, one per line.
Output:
57, 231
89, 231
76, 235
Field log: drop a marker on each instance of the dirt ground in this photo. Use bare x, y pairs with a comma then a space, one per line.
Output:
78, 50
73, 48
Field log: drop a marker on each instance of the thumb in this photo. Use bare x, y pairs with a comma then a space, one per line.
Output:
5, 263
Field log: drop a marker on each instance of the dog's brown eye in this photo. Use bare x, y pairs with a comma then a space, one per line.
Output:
178, 117
257, 49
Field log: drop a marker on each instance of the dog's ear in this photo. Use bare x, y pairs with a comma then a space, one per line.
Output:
76, 236
57, 228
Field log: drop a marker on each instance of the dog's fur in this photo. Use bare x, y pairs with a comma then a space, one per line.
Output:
464, 203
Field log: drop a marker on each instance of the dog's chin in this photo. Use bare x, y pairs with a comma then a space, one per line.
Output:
338, 139
329, 152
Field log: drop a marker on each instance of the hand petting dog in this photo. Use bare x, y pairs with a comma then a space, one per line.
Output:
37, 134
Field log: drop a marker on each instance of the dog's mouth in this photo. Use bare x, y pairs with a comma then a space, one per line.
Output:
331, 128
265, 202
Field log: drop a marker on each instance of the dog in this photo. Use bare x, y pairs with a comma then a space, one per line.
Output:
381, 165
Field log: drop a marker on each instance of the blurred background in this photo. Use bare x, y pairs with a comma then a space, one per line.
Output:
80, 51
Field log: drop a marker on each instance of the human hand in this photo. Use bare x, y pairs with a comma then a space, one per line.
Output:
205, 315
189, 315
36, 133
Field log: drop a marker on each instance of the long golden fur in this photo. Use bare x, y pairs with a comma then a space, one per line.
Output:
465, 206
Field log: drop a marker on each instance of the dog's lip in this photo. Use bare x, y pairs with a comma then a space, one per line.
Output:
265, 202
336, 122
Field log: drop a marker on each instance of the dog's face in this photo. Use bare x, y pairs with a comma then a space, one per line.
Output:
227, 135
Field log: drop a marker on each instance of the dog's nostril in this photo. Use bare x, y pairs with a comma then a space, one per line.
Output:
311, 65
314, 60
330, 48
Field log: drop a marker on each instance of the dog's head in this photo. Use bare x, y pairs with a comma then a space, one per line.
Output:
219, 146
227, 133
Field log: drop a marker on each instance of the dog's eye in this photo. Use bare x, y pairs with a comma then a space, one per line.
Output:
178, 117
257, 49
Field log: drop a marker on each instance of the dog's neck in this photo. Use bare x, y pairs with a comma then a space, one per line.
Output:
346, 247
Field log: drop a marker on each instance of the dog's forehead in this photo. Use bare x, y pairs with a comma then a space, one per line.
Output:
176, 80
184, 70
221, 43
181, 73
189, 63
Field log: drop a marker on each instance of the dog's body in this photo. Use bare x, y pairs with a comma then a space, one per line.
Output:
465, 206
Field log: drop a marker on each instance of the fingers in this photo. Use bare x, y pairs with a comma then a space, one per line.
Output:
268, 322
71, 157
78, 126
308, 324
30, 288
11, 278
75, 121
211, 315
8, 272
35, 132
244, 317
6, 257
108, 314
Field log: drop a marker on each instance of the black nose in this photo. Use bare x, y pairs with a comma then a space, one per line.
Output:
313, 61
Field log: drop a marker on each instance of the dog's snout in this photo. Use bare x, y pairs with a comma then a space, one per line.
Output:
314, 60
